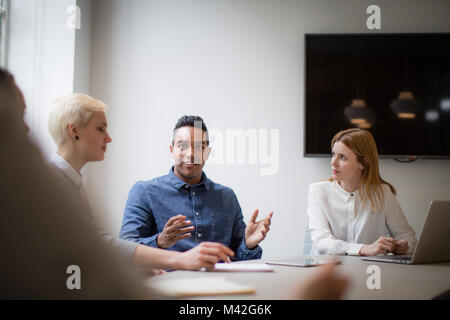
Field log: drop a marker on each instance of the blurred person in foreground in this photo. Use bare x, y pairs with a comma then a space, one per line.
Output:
42, 230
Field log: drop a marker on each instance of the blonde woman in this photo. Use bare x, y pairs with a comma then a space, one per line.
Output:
78, 126
356, 212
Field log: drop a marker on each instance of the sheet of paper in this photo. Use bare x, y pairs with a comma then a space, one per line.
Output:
200, 286
242, 267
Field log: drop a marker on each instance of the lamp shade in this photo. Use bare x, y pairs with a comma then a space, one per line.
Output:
359, 114
406, 106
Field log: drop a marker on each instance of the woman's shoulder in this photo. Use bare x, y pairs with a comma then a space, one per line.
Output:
387, 189
387, 192
321, 186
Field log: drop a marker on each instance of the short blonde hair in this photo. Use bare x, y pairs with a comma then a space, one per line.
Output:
74, 109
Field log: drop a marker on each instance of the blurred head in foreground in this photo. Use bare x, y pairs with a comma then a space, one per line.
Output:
41, 231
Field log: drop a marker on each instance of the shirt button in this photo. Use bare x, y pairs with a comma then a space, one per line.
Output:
199, 235
197, 213
193, 193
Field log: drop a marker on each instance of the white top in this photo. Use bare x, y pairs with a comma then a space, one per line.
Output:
63, 165
127, 248
341, 225
74, 176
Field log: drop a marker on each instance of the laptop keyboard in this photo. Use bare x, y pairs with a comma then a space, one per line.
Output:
403, 259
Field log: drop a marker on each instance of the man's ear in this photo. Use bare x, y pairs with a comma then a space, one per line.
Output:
206, 153
172, 152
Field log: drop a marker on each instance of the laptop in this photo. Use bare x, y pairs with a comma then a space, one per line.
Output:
433, 244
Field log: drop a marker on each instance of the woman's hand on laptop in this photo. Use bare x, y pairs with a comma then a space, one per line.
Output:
382, 246
401, 247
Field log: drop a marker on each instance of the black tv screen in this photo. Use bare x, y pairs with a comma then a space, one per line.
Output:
397, 86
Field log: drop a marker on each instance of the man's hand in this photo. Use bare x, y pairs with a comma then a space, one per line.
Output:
401, 247
174, 230
255, 232
325, 284
382, 246
206, 255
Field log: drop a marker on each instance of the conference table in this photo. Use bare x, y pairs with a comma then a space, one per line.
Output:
396, 281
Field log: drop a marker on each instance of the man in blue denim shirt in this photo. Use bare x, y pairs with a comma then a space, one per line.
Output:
183, 208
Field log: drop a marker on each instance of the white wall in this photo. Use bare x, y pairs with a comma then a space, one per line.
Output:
41, 57
82, 58
238, 64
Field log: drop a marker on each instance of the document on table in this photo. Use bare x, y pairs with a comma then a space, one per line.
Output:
241, 267
201, 286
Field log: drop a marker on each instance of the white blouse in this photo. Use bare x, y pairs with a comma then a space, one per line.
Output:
339, 223
70, 175
61, 163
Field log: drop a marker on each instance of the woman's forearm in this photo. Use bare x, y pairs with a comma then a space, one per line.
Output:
145, 256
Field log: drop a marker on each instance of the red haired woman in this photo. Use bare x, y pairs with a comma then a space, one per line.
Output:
356, 212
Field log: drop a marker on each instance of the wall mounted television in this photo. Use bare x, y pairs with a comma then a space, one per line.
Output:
397, 86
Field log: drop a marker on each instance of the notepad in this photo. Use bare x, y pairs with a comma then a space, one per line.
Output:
200, 286
242, 267
303, 262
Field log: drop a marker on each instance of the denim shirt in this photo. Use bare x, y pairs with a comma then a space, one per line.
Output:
212, 208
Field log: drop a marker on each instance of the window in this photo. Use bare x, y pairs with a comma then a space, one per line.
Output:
3, 31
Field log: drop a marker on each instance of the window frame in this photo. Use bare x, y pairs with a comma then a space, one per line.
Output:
4, 12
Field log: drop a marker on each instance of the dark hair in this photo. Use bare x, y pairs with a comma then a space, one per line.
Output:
5, 75
190, 121
6, 87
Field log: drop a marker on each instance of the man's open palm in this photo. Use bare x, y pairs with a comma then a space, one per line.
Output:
255, 232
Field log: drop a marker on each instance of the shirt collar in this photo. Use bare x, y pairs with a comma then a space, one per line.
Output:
178, 183
65, 167
343, 193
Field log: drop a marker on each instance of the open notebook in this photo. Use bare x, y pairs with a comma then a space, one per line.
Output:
199, 286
